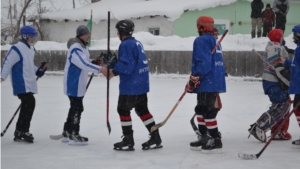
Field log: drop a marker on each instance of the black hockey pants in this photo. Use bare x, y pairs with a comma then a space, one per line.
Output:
140, 103
26, 112
206, 110
72, 125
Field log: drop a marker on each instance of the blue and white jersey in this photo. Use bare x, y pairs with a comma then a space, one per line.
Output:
295, 71
132, 67
76, 70
210, 67
19, 63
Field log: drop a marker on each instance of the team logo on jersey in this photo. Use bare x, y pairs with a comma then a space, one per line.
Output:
145, 61
145, 69
219, 63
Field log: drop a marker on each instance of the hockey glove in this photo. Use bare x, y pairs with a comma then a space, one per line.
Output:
112, 60
192, 84
40, 72
97, 61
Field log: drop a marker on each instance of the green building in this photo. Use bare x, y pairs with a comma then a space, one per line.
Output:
235, 17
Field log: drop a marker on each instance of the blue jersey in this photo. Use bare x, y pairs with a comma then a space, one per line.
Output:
295, 71
132, 67
210, 67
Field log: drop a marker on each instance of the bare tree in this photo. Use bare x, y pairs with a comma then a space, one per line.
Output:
19, 21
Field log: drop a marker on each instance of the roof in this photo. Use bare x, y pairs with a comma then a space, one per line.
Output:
125, 9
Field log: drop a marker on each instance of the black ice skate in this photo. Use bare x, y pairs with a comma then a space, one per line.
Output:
296, 143
154, 140
23, 136
202, 140
126, 142
77, 139
65, 136
257, 133
213, 146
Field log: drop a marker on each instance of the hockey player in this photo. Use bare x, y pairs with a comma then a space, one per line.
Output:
207, 81
19, 61
295, 78
132, 68
276, 91
78, 64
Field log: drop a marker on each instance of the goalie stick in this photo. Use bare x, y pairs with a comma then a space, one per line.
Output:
256, 156
155, 127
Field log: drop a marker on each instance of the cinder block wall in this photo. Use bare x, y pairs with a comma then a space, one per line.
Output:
240, 63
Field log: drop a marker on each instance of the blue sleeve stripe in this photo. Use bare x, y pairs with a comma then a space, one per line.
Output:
17, 75
77, 49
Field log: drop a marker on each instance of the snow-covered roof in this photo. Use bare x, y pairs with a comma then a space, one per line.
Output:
124, 9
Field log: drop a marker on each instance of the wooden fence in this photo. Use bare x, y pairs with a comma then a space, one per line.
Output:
239, 63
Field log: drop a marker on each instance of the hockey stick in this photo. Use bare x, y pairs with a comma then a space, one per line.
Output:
277, 71
256, 156
264, 59
59, 136
155, 127
16, 112
108, 53
195, 128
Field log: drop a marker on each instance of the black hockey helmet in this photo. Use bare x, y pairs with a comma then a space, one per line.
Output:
125, 27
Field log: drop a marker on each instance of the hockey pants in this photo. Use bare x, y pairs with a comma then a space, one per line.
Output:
208, 106
72, 125
140, 103
26, 112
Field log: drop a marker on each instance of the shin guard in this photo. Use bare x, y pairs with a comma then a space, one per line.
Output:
276, 113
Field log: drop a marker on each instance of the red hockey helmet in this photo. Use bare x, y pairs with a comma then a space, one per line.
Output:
205, 24
275, 35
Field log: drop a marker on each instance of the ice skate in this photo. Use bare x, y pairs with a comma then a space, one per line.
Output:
65, 136
197, 145
23, 137
257, 133
213, 146
77, 139
154, 140
296, 143
126, 142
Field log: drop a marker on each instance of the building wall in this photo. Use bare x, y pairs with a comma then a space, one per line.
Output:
62, 31
236, 16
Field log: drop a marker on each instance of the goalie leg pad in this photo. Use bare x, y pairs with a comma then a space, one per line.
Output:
276, 112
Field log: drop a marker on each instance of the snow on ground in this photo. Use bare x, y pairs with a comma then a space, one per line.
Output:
243, 103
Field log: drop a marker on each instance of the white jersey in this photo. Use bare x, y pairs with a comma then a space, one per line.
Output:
76, 70
19, 63
273, 52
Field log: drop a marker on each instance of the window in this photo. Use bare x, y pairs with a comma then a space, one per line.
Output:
154, 31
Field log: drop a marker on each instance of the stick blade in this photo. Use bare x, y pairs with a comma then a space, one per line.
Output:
2, 134
248, 156
56, 137
109, 128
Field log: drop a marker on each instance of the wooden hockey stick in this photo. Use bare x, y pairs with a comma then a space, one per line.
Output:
155, 127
